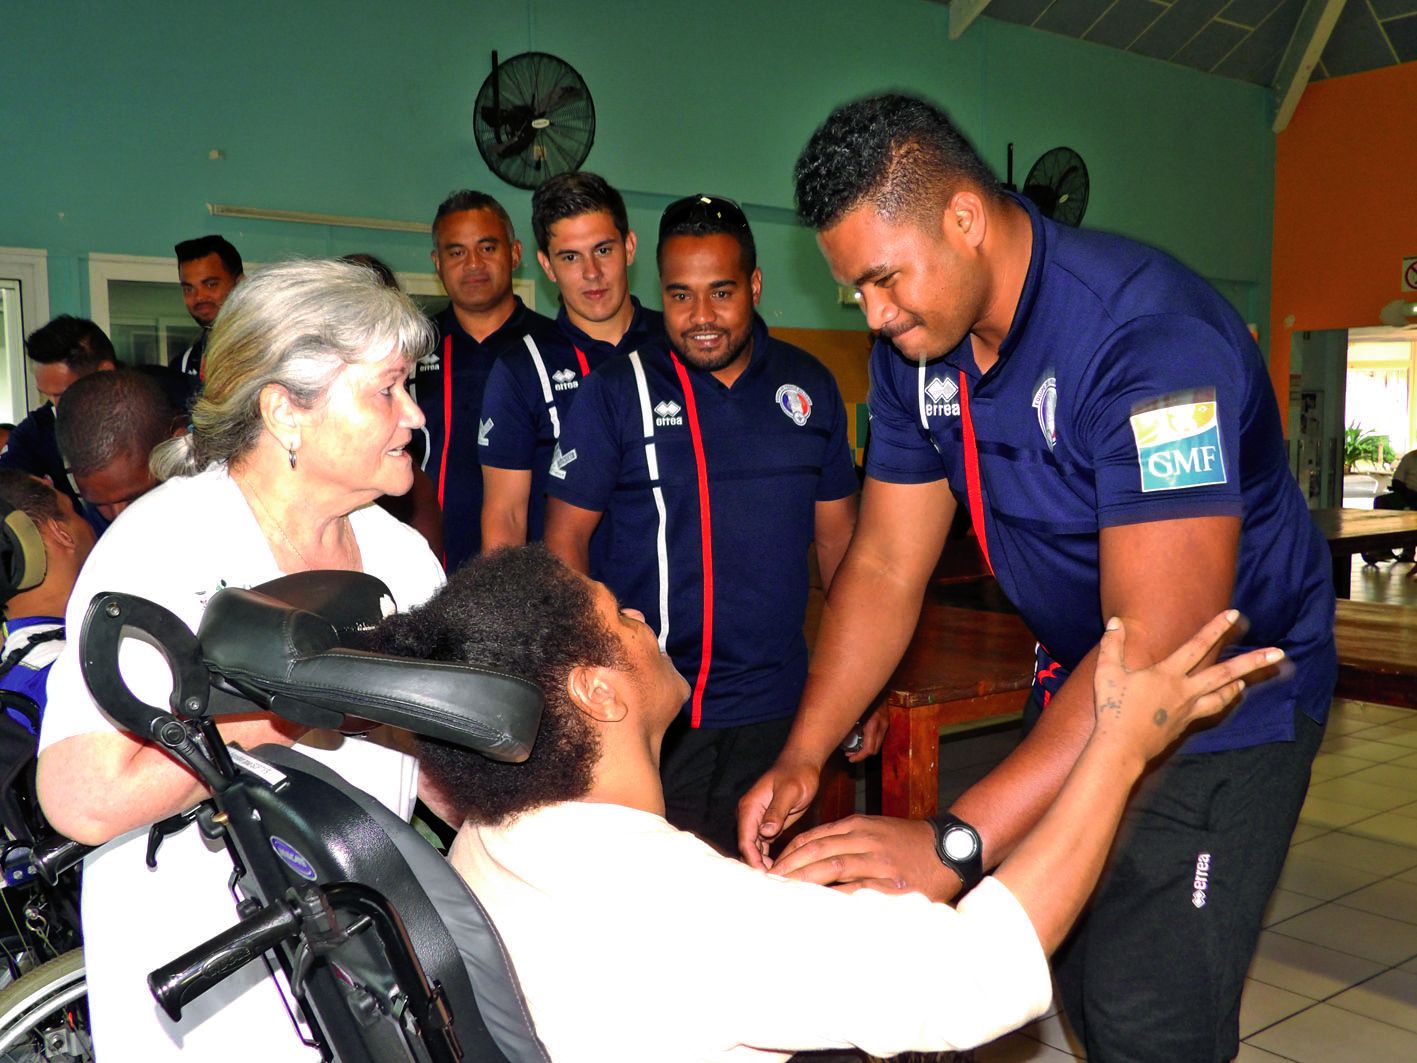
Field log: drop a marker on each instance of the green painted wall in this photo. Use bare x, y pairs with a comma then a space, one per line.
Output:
108, 112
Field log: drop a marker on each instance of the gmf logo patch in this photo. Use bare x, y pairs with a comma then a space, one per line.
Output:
1179, 446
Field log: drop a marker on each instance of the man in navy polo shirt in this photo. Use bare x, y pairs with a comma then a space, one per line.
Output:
586, 248
1110, 424
716, 462
475, 252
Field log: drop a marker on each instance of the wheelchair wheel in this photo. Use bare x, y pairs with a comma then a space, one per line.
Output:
44, 1015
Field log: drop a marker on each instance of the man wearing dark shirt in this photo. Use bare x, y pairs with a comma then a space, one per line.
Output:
586, 248
60, 353
209, 268
475, 252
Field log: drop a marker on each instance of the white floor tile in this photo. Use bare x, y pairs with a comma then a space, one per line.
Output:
1352, 791
1397, 828
1373, 937
1325, 1034
1406, 762
1391, 897
1250, 1054
1390, 997
1322, 812
1365, 711
1395, 774
1304, 831
1331, 765
1395, 733
1307, 969
1054, 1031
1319, 878
1344, 847
1364, 749
1264, 1005
1285, 903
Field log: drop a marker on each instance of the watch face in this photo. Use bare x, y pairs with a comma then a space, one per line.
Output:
959, 843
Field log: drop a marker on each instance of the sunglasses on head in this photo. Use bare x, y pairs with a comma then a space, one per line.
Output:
702, 208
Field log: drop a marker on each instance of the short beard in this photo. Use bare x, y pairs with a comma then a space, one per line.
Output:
723, 362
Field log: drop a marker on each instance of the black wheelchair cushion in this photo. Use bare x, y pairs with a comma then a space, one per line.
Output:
347, 834
274, 652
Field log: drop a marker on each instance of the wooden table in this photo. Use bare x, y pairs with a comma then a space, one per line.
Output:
963, 665
1377, 652
1354, 531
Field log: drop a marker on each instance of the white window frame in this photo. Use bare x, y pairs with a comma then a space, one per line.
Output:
29, 266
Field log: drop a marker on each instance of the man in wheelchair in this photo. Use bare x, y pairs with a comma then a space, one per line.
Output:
635, 941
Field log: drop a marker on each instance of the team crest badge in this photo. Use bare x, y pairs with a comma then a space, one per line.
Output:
794, 402
1045, 405
1179, 446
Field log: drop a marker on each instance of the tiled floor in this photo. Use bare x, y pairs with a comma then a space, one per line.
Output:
1335, 976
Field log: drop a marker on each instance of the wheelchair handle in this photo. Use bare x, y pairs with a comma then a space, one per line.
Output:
177, 984
56, 854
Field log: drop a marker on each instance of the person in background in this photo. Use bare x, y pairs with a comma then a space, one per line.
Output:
107, 431
585, 246
716, 464
44, 544
475, 251
209, 268
60, 353
685, 954
303, 421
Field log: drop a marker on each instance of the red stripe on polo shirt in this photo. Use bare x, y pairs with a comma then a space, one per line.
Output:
971, 473
705, 540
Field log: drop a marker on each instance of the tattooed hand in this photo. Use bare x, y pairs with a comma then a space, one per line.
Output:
1149, 708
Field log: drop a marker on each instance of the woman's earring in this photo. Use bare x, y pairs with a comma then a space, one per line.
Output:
291, 452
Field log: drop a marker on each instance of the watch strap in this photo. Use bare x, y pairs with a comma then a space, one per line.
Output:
970, 869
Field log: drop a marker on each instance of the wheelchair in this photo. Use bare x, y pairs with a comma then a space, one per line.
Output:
383, 952
43, 1007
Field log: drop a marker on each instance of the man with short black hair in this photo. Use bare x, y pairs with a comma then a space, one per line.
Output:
716, 463
475, 252
60, 353
209, 267
107, 430
1109, 422
585, 246
636, 942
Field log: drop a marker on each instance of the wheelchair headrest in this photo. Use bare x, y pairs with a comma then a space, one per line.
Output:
266, 644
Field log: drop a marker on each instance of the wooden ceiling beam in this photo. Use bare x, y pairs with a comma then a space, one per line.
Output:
962, 15
1301, 55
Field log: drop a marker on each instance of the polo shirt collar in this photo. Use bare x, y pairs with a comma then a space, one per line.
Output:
513, 328
634, 337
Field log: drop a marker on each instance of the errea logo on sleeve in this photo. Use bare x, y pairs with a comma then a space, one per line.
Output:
1179, 446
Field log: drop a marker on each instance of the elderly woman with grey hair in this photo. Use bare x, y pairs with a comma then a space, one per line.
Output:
301, 425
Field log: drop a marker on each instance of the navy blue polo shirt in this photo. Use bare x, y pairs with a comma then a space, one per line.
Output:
532, 388
1126, 391
459, 479
773, 445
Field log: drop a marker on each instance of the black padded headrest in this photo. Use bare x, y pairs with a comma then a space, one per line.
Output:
272, 650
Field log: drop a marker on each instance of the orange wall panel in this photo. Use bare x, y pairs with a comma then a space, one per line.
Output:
1345, 206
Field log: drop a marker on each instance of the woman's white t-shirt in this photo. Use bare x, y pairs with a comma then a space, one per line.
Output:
177, 546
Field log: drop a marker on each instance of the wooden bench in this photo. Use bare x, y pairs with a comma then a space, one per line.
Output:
1377, 652
964, 664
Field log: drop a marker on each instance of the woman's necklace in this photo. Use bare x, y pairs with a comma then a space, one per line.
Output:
256, 497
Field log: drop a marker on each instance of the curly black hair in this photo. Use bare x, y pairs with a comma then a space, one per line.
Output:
521, 612
900, 153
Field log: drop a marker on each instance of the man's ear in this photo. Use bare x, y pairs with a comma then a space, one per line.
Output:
966, 218
545, 260
596, 691
629, 248
57, 536
755, 285
282, 418
516, 254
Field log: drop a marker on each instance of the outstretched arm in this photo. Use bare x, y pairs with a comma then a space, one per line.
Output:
1137, 716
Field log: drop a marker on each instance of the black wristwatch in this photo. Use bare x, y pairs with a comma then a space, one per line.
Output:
958, 846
